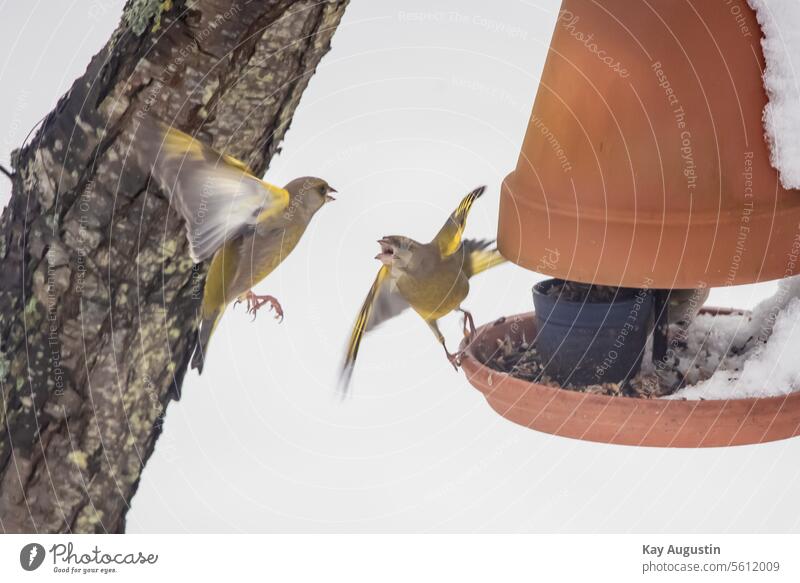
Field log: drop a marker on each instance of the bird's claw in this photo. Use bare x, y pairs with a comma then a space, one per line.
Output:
256, 302
468, 324
455, 359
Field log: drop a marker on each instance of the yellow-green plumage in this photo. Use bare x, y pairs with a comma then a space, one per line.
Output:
435, 293
220, 274
431, 278
238, 266
245, 226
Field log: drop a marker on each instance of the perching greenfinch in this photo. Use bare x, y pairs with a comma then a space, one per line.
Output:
247, 225
432, 278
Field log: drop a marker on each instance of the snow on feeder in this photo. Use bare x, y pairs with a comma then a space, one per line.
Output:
645, 170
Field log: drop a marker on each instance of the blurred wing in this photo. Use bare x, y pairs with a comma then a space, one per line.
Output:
388, 304
480, 257
216, 194
449, 237
382, 302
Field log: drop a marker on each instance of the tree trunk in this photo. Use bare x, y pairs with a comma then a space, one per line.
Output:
98, 295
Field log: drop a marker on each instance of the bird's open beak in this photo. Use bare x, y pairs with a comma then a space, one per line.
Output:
387, 252
328, 197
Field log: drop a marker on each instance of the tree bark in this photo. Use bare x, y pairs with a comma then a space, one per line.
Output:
98, 295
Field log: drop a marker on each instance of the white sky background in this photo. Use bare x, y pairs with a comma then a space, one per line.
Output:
403, 117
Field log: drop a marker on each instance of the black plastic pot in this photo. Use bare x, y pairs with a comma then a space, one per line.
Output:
585, 342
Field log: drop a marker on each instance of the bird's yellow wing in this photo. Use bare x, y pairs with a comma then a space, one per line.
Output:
449, 237
382, 302
479, 256
216, 194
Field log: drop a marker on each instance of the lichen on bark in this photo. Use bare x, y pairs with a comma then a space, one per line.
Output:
98, 296
138, 14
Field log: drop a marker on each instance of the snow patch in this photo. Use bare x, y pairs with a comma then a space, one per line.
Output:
738, 356
780, 23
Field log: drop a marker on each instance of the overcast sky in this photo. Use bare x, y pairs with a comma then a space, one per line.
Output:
412, 108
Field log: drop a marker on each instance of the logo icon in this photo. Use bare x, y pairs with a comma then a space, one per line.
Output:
31, 556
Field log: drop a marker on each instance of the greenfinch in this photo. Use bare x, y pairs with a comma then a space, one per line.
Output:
245, 225
431, 278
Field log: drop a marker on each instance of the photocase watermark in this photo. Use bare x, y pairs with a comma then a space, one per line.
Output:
196, 281
53, 338
182, 54
792, 256
97, 10
744, 222
679, 113
473, 471
548, 261
691, 307
739, 16
788, 289
199, 218
31, 556
295, 202
678, 337
11, 141
315, 314
299, 197
494, 92
450, 16
555, 144
208, 191
633, 322
65, 559
83, 236
569, 21
498, 26
346, 154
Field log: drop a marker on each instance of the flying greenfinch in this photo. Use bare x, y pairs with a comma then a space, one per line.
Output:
431, 278
245, 225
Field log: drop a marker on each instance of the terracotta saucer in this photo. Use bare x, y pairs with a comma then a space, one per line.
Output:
623, 420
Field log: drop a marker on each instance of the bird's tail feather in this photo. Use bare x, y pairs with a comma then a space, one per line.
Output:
207, 327
480, 257
483, 260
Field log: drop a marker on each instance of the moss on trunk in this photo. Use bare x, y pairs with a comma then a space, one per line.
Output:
98, 295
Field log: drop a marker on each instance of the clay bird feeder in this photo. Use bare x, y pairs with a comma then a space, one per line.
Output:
644, 167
